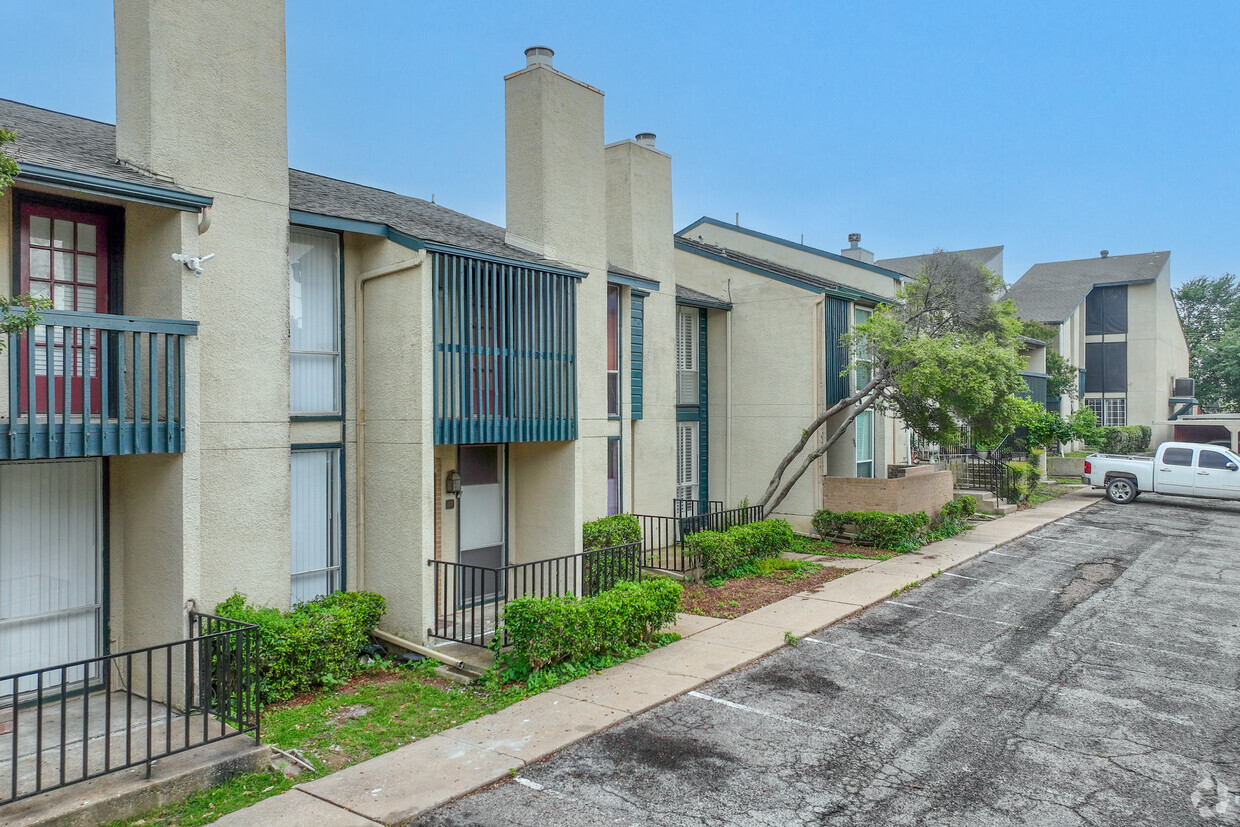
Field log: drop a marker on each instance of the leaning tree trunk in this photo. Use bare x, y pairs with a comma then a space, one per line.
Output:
869, 392
866, 402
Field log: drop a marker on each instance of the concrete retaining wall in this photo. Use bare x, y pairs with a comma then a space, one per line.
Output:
1065, 466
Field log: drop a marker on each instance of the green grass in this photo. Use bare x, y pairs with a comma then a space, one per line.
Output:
405, 703
1047, 492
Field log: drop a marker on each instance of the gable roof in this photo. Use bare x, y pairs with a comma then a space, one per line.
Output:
1049, 292
909, 265
696, 298
80, 154
774, 270
783, 242
85, 151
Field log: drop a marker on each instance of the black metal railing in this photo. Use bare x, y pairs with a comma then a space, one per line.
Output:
470, 600
972, 472
663, 538
692, 508
88, 718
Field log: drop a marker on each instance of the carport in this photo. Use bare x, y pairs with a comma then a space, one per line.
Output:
1206, 428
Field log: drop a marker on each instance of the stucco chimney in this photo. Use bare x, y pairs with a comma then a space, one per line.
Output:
855, 251
553, 130
639, 207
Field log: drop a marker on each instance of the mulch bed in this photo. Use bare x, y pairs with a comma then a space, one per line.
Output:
737, 597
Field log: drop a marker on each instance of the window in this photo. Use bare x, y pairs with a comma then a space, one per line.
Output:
1106, 367
1106, 310
861, 374
687, 391
314, 321
687, 461
613, 475
1178, 456
864, 424
1212, 459
316, 530
613, 350
1108, 412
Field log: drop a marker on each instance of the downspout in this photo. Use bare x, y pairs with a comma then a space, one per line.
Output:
359, 306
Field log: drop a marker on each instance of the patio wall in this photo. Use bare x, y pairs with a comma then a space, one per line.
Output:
917, 492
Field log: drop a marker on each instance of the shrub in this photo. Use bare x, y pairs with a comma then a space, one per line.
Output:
316, 644
720, 552
616, 530
968, 505
894, 532
1124, 439
542, 631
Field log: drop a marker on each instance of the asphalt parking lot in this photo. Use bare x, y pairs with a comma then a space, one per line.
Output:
1084, 674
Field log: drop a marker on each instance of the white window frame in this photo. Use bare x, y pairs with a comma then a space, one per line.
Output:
332, 565
688, 485
862, 424
1110, 411
688, 359
613, 374
861, 376
295, 299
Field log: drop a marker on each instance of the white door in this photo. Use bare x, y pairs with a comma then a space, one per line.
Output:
1218, 475
481, 515
1174, 472
51, 606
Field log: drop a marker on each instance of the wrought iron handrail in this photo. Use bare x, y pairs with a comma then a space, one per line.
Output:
470, 599
995, 476
211, 676
663, 538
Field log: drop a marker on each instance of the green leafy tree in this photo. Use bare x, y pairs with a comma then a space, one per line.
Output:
8, 165
1043, 428
938, 358
1220, 364
17, 313
1210, 310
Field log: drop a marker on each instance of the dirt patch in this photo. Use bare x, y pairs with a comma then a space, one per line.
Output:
647, 747
737, 597
370, 678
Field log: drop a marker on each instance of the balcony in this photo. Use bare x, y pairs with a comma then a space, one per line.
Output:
94, 385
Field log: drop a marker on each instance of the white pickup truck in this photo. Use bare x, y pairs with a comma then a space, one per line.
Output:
1186, 469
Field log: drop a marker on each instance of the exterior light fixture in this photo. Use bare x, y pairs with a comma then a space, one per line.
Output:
454, 483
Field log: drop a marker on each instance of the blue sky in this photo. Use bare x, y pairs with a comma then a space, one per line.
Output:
1057, 129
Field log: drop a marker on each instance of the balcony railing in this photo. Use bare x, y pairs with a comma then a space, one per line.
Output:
93, 385
82, 720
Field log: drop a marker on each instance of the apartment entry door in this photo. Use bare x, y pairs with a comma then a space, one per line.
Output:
483, 517
51, 569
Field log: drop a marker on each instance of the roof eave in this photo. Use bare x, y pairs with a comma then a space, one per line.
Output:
90, 184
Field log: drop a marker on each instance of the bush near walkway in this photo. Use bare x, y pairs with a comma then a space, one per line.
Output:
719, 552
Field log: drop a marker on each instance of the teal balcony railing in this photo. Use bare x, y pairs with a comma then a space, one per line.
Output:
95, 385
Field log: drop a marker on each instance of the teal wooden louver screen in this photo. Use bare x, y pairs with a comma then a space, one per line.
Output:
637, 325
505, 353
836, 319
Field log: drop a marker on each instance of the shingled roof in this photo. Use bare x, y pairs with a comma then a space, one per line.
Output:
909, 265
1049, 292
53, 139
67, 142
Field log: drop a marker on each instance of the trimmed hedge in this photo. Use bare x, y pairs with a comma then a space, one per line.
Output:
316, 644
719, 552
894, 532
547, 630
1125, 439
616, 530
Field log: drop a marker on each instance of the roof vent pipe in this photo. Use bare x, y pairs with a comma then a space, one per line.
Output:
1104, 253
645, 139
854, 239
538, 56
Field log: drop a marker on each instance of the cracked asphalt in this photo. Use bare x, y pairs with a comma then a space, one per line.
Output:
1084, 674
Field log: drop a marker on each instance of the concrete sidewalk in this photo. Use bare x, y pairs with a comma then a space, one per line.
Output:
412, 780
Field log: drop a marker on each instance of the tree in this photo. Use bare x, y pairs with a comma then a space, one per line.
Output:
17, 313
944, 354
1209, 309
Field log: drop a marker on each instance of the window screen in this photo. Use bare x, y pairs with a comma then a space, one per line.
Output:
1212, 459
1106, 367
1106, 310
1178, 456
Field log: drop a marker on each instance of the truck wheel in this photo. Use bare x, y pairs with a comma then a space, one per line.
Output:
1121, 490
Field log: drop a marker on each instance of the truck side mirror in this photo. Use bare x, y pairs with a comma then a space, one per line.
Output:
1231, 466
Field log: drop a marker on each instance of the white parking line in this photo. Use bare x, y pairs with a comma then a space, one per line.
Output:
997, 582
1036, 557
764, 713
952, 614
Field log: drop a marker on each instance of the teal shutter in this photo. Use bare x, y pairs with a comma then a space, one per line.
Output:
703, 425
637, 322
836, 380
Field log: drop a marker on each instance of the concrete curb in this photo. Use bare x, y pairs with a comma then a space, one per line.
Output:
407, 782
